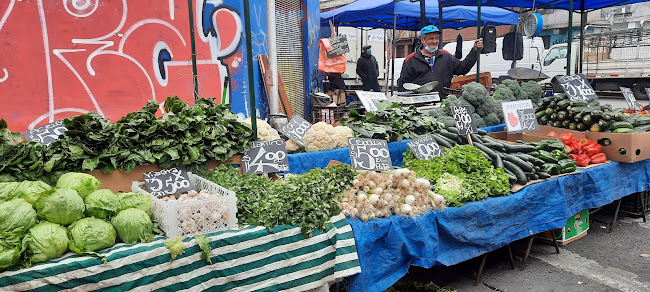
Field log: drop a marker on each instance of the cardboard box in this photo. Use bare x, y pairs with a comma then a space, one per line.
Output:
625, 147
119, 181
544, 129
575, 228
527, 136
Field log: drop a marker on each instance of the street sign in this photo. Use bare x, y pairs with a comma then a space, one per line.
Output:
425, 147
577, 87
369, 154
165, 182
266, 157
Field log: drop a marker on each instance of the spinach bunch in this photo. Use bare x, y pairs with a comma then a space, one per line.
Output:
19, 160
308, 199
392, 122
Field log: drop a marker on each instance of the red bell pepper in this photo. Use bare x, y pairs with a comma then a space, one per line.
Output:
583, 160
576, 147
585, 142
592, 149
552, 134
598, 158
567, 138
573, 156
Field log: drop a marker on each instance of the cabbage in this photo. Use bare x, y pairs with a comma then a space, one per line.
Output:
101, 204
90, 234
176, 247
30, 191
134, 200
45, 241
16, 217
61, 206
83, 183
7, 191
133, 225
9, 256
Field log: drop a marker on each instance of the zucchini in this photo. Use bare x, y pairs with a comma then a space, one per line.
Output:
605, 141
604, 124
556, 124
563, 104
543, 120
581, 127
562, 115
642, 120
577, 118
622, 130
549, 111
525, 166
554, 117
593, 102
596, 114
540, 113
586, 119
575, 110
521, 176
595, 128
565, 124
527, 157
543, 175
576, 103
643, 128
617, 125
572, 125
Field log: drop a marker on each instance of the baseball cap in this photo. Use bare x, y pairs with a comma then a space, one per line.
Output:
429, 29
365, 47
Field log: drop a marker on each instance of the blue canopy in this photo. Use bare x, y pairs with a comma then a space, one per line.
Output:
546, 4
379, 14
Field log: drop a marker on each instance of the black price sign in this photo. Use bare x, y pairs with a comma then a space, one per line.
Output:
167, 181
577, 87
629, 98
528, 120
266, 157
296, 128
339, 46
647, 91
46, 134
464, 120
369, 154
425, 147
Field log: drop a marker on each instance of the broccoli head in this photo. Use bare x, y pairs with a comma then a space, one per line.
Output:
475, 93
491, 119
436, 112
533, 91
513, 85
502, 92
486, 108
499, 111
478, 121
447, 120
452, 100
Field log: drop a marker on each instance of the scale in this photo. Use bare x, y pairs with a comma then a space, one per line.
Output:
423, 101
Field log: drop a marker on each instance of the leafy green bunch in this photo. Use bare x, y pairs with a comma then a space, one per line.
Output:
19, 160
467, 165
308, 199
392, 122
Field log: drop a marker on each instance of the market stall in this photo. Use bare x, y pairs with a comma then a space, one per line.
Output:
250, 258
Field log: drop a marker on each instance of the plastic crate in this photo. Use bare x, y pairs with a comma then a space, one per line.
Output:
196, 216
632, 205
328, 115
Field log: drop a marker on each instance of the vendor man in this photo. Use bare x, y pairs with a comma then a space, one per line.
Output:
433, 64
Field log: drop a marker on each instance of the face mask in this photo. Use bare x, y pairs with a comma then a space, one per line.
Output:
369, 52
430, 50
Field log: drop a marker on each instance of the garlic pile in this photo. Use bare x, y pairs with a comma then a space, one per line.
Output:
376, 195
200, 217
191, 196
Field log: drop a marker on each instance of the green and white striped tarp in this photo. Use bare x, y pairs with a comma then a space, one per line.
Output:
247, 259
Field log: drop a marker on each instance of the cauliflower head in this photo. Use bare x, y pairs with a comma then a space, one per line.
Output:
264, 130
292, 146
319, 137
342, 135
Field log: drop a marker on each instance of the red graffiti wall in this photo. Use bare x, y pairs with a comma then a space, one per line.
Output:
66, 57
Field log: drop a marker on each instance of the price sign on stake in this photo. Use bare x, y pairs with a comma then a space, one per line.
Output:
369, 154
528, 120
464, 120
629, 98
266, 157
425, 147
165, 182
517, 121
46, 134
577, 87
296, 128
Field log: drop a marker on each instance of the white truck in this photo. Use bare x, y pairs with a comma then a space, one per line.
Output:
357, 38
610, 59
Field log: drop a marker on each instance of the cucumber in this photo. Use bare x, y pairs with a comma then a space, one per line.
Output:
482, 132
518, 148
543, 175
451, 136
476, 138
442, 141
617, 125
453, 130
525, 166
486, 150
521, 176
527, 157
622, 130
495, 146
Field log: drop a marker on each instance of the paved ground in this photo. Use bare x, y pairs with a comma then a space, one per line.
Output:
598, 262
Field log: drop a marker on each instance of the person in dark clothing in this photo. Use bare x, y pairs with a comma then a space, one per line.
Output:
433, 64
368, 70
336, 88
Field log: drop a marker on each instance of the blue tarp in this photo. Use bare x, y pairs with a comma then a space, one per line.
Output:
545, 4
304, 162
379, 14
387, 247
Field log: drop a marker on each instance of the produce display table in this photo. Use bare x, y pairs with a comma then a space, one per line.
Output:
304, 162
248, 259
387, 247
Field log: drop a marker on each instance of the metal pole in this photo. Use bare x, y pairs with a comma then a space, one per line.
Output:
274, 104
249, 64
478, 36
583, 23
193, 46
423, 13
569, 38
392, 64
440, 23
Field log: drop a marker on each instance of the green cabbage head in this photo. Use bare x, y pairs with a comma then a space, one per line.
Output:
101, 204
83, 183
9, 256
16, 217
45, 241
91, 234
133, 225
134, 200
60, 206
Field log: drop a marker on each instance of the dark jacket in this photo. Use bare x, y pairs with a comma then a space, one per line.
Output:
416, 69
367, 68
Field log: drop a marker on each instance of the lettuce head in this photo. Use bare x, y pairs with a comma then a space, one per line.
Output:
16, 217
101, 204
135, 200
83, 183
45, 241
9, 255
133, 225
91, 234
60, 206
30, 191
